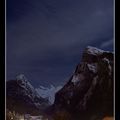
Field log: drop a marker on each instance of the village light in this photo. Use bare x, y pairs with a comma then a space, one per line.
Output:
11, 118
21, 118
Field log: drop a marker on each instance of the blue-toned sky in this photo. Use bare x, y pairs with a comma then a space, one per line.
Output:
45, 38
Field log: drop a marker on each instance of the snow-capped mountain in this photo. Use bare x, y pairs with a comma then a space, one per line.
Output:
22, 96
48, 93
88, 94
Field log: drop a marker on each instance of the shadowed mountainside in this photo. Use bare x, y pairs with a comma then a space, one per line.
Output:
88, 94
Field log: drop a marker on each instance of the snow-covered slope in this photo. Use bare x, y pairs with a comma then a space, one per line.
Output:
26, 85
22, 96
48, 93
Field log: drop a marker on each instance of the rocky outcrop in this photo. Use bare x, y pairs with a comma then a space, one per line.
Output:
88, 95
22, 97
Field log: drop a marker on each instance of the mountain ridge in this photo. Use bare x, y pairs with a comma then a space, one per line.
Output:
89, 91
87, 95
22, 96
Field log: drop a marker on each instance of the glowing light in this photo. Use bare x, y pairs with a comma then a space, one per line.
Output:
108, 118
21, 118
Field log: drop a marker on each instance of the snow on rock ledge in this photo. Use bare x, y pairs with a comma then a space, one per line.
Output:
92, 67
21, 77
94, 50
93, 54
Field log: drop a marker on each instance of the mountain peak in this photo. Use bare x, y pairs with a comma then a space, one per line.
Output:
94, 50
24, 96
89, 86
21, 77
22, 80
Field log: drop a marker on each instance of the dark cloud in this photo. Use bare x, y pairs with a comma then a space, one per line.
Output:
45, 38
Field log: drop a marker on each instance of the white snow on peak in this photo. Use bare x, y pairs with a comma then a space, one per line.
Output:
48, 93
21, 77
24, 83
22, 80
94, 50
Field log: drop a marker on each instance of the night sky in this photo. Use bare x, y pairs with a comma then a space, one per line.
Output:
46, 38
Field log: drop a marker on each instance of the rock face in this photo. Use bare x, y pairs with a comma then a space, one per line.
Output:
22, 97
88, 95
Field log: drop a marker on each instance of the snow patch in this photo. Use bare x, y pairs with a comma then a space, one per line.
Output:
92, 67
25, 84
109, 66
94, 50
48, 93
21, 77
77, 78
105, 59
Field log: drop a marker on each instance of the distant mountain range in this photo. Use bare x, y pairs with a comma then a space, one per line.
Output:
88, 94
48, 93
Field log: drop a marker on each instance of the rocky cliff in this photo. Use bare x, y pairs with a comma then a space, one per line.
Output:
88, 94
